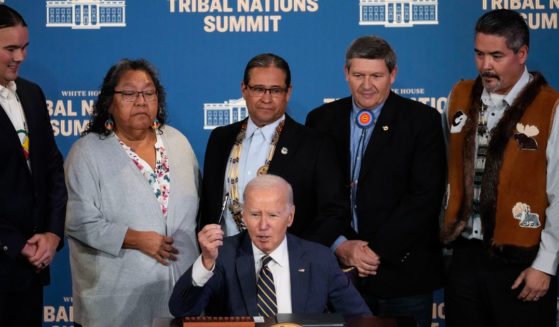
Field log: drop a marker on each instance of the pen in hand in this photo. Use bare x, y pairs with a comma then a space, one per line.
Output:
223, 207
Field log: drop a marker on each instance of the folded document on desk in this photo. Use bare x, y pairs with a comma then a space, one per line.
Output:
206, 321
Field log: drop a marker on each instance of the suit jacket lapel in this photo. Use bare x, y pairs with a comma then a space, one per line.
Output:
246, 275
343, 117
217, 160
227, 141
7, 128
287, 145
381, 135
31, 124
300, 271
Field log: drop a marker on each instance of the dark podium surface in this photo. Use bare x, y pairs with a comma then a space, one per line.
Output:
351, 322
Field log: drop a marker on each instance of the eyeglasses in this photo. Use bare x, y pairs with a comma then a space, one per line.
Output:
259, 91
131, 96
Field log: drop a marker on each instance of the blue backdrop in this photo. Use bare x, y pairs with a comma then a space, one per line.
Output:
200, 48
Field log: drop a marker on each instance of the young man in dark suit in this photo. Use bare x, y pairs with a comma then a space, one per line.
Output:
33, 194
294, 275
393, 157
270, 141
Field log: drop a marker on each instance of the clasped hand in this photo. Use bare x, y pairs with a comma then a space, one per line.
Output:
153, 244
358, 254
40, 249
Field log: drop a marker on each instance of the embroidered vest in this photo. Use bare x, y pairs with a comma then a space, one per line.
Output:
513, 191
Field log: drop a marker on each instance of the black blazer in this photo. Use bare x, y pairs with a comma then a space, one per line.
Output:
317, 282
321, 208
30, 201
400, 191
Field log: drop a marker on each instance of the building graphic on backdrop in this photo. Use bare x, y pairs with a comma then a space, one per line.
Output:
225, 113
398, 13
86, 14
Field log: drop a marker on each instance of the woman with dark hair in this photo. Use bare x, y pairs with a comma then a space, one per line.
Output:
133, 200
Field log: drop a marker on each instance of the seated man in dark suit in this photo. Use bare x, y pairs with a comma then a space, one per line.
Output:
297, 276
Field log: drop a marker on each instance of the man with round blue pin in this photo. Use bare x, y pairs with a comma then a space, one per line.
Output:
393, 157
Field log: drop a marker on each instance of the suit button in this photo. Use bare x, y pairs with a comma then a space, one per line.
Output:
35, 229
5, 248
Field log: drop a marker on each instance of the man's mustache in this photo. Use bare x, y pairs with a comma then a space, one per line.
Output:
490, 74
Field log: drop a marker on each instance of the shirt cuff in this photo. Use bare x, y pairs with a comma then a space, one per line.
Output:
337, 243
200, 275
546, 261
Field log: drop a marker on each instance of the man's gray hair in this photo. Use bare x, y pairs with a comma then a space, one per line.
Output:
270, 181
371, 47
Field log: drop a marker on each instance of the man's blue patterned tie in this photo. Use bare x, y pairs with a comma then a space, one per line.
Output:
266, 291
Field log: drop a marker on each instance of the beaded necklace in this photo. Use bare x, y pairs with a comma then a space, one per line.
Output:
233, 176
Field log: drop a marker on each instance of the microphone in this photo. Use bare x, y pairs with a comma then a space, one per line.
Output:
223, 207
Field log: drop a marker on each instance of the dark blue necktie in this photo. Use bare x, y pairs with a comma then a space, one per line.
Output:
266, 292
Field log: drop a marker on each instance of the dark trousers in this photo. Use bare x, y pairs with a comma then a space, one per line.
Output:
478, 292
420, 307
22, 308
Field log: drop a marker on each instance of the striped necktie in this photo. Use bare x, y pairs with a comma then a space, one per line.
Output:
266, 291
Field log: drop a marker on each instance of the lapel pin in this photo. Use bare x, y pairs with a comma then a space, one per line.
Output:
385, 128
284, 150
301, 270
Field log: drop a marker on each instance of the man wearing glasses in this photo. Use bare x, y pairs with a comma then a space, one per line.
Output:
269, 141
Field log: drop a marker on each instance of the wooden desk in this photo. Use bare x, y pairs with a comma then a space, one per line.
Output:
381, 322
352, 322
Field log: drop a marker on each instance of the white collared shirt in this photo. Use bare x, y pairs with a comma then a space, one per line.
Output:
245, 175
279, 267
10, 102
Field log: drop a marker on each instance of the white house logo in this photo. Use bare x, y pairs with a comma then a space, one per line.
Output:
398, 13
225, 113
86, 14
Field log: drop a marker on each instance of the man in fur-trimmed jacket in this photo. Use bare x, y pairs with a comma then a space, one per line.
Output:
501, 213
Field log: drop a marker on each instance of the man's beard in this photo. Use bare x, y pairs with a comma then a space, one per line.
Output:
496, 85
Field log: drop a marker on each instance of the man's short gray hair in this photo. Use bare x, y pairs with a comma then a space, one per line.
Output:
270, 181
371, 47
